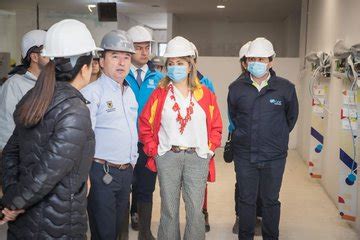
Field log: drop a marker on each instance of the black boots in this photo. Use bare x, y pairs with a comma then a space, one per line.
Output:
144, 212
207, 224
135, 221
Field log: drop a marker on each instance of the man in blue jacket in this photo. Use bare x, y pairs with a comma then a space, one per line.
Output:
264, 110
143, 79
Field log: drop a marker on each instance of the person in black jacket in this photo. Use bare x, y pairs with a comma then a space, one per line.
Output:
263, 108
235, 229
48, 157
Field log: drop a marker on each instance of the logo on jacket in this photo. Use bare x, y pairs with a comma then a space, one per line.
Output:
276, 102
110, 106
151, 84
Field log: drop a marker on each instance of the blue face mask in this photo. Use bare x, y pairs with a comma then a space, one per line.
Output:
257, 69
177, 73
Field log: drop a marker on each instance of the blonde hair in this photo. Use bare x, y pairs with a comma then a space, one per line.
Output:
192, 77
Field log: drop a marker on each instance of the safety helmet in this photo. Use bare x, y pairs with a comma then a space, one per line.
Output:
68, 38
195, 50
244, 49
260, 47
139, 34
179, 47
117, 40
34, 38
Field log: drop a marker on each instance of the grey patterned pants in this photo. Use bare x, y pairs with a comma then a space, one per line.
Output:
187, 172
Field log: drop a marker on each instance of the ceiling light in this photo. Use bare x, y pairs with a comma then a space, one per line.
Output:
220, 6
91, 6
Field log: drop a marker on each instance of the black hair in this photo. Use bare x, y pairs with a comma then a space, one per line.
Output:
25, 62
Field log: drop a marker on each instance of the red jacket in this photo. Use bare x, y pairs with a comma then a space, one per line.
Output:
150, 118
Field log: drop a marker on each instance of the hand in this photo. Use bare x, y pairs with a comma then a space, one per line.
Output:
11, 215
2, 222
88, 183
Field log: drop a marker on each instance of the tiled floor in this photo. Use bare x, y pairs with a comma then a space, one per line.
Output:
300, 219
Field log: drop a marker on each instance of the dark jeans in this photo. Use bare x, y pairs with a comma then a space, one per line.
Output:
266, 176
107, 204
145, 180
258, 202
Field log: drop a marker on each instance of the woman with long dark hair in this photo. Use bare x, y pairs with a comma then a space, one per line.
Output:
48, 157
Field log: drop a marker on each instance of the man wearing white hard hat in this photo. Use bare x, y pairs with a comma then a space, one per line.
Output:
180, 128
114, 111
242, 59
264, 110
143, 78
22, 79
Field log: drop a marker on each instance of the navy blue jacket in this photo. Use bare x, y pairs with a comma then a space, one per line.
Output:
263, 120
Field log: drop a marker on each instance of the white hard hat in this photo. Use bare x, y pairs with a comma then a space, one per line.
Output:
139, 34
32, 39
195, 50
244, 49
179, 47
68, 38
158, 61
117, 40
260, 47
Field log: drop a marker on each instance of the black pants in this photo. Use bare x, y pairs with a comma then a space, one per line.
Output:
258, 202
266, 176
145, 180
107, 204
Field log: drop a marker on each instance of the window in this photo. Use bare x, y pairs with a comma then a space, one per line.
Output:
161, 48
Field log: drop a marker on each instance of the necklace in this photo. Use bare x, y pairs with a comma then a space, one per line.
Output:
176, 108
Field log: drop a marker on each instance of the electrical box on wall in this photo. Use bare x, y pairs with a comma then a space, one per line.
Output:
320, 66
4, 66
320, 62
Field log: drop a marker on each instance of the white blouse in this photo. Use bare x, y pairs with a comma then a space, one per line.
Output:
195, 132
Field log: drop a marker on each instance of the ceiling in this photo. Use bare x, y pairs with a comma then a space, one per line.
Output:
153, 13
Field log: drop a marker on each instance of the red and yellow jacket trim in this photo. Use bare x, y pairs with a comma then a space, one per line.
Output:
150, 118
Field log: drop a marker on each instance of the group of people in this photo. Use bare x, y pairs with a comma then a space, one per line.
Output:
84, 128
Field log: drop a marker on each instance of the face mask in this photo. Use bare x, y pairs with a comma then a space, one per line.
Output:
177, 73
257, 69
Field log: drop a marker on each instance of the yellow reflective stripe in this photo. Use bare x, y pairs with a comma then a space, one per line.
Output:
152, 113
198, 93
211, 109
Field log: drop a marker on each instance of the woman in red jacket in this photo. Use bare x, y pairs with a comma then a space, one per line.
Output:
180, 128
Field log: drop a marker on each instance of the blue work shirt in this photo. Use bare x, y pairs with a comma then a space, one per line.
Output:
113, 115
149, 83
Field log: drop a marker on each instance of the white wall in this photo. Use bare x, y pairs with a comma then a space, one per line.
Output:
8, 32
328, 20
224, 70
